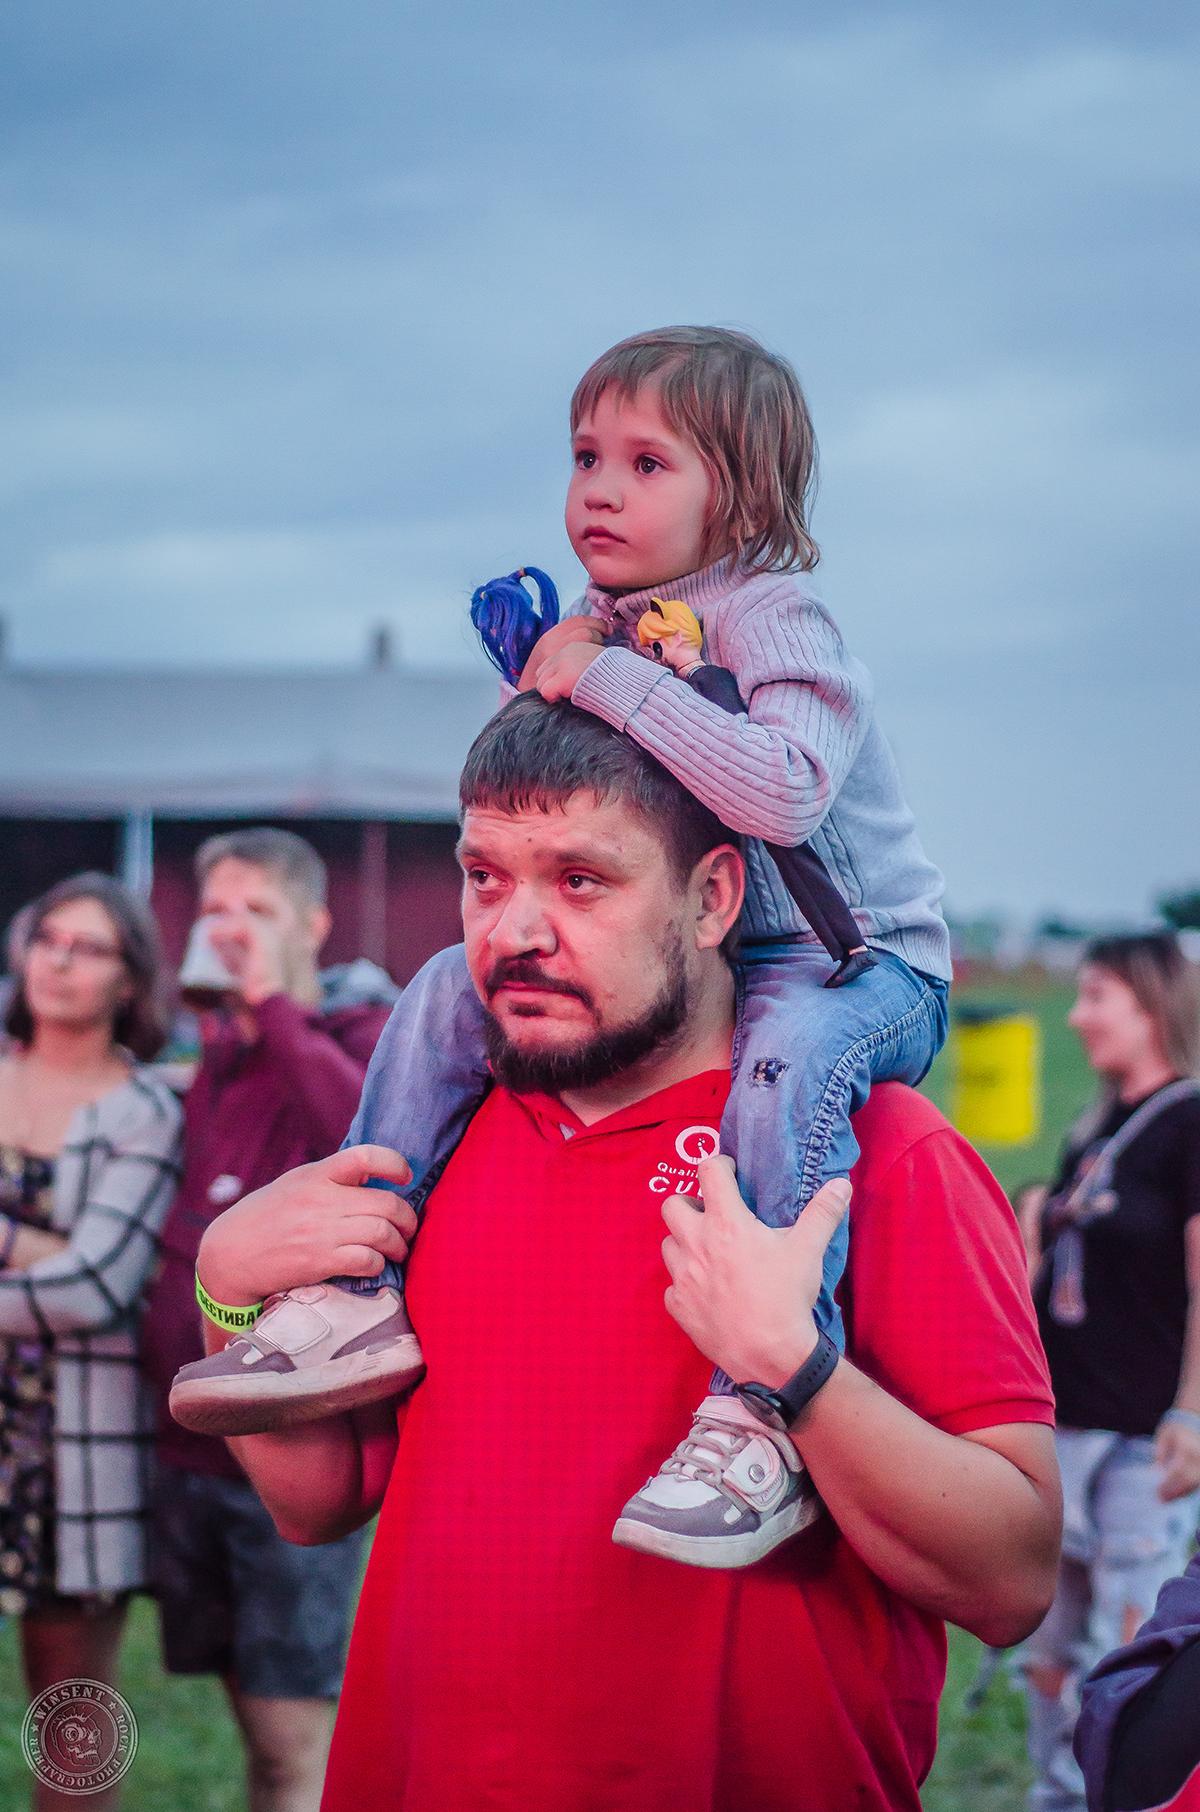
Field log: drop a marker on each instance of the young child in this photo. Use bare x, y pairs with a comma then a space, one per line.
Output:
693, 457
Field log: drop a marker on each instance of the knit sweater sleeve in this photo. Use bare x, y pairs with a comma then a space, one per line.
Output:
114, 1182
775, 770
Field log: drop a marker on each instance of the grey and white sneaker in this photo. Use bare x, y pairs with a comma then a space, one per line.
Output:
731, 1492
313, 1352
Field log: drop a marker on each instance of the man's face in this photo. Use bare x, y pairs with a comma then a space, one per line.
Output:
241, 894
639, 498
581, 940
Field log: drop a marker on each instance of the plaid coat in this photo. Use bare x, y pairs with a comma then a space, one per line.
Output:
113, 1184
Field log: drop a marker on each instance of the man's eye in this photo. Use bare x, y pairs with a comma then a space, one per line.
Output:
479, 877
645, 463
579, 883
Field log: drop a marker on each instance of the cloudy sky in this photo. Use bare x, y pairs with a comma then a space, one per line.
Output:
294, 297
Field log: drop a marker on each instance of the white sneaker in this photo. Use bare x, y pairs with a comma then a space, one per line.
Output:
731, 1492
313, 1352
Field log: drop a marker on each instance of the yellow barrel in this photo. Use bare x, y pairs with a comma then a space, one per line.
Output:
997, 1076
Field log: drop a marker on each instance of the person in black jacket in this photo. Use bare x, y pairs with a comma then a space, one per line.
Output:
1138, 1737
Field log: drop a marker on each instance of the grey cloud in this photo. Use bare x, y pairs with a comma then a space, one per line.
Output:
294, 302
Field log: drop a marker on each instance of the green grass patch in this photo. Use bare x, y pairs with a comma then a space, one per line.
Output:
188, 1753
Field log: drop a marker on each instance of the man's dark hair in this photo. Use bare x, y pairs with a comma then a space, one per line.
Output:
536, 755
294, 863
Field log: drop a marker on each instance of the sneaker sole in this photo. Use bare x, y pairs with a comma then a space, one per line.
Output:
272, 1400
727, 1552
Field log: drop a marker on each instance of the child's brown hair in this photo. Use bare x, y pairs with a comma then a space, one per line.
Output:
743, 409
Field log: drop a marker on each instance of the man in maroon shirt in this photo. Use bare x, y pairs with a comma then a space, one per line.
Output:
277, 1086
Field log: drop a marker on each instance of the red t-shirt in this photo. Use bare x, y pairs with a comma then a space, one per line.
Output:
507, 1657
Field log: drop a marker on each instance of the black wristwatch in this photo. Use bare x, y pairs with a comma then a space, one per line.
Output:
780, 1408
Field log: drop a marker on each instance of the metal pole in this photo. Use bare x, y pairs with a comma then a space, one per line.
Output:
136, 860
372, 902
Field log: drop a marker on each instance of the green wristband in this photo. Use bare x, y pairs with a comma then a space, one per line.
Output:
224, 1317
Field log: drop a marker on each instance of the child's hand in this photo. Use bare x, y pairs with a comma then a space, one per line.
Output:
557, 676
589, 631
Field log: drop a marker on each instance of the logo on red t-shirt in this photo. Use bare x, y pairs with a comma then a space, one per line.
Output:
692, 1145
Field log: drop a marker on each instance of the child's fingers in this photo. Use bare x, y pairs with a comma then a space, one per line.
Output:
529, 673
579, 629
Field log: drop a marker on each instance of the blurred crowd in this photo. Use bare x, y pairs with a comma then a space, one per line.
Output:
113, 1163
107, 1181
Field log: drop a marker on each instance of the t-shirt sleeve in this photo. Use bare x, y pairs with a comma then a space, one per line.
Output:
1189, 1160
939, 1307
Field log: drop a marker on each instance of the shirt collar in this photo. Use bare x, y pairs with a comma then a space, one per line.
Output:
696, 1096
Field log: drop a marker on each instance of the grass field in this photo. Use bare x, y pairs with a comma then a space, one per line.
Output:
188, 1756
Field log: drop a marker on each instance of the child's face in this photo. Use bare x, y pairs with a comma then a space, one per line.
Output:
639, 498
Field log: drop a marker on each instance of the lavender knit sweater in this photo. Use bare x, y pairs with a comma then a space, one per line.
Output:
806, 763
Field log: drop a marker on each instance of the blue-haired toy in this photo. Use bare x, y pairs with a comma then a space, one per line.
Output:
503, 613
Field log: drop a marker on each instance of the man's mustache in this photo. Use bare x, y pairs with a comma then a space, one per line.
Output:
524, 971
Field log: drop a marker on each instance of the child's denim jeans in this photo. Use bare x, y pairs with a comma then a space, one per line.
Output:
804, 1059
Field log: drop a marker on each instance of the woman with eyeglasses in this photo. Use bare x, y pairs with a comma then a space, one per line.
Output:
89, 1146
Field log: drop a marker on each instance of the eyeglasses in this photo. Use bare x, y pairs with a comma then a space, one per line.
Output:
86, 949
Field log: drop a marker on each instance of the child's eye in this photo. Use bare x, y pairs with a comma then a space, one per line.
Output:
645, 464
585, 459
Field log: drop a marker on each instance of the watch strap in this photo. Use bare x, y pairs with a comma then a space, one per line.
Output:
794, 1396
817, 1369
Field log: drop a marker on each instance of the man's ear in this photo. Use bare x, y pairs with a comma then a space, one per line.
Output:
720, 877
320, 923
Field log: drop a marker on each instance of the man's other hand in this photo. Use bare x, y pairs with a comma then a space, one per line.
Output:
314, 1222
745, 1293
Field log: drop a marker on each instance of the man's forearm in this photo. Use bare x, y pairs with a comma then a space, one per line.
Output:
966, 1526
324, 1478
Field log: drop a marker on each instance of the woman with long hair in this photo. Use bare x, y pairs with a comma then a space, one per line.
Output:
89, 1146
1117, 1289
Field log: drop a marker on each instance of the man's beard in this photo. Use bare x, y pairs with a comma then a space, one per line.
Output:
607, 1052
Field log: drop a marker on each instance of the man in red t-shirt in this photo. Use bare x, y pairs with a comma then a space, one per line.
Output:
506, 1654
